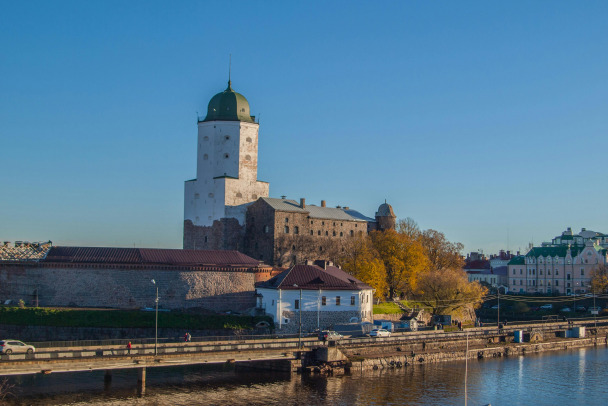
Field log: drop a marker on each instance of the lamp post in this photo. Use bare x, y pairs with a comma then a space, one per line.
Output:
156, 321
300, 308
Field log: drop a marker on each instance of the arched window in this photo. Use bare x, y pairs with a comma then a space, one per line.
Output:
248, 139
286, 230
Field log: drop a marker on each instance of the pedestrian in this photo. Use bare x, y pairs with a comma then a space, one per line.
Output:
129, 347
188, 337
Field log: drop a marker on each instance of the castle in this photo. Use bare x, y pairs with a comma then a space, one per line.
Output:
227, 208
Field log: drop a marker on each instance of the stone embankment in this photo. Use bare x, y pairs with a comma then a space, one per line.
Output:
399, 354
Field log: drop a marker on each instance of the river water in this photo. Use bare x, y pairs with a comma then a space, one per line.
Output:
573, 377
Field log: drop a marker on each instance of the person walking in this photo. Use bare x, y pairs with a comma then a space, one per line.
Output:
188, 337
129, 348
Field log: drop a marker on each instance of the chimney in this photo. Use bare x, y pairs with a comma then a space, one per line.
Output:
346, 208
283, 197
302, 202
322, 203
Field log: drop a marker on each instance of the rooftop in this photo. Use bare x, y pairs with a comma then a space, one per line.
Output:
313, 277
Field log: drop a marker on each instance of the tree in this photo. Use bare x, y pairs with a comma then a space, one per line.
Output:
403, 258
448, 290
361, 260
599, 280
408, 227
441, 253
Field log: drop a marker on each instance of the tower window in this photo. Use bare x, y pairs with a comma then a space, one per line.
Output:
286, 229
205, 157
296, 230
319, 232
287, 219
334, 233
249, 139
352, 233
226, 156
326, 233
254, 197
206, 239
239, 194
227, 138
247, 157
341, 234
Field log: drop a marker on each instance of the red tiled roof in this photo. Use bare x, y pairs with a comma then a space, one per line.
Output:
312, 277
149, 256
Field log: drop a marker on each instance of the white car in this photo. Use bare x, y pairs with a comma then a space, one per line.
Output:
11, 346
379, 332
547, 306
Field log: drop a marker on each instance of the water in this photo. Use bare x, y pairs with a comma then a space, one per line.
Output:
573, 377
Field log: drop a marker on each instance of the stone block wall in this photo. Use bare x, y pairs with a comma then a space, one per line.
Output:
326, 321
121, 287
224, 234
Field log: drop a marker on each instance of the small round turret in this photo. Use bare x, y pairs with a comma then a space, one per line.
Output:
385, 217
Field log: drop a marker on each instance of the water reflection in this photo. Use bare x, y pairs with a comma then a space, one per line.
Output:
572, 377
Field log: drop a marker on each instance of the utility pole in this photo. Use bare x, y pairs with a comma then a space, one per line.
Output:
498, 310
156, 321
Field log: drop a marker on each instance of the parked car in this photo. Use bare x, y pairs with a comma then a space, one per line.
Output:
565, 310
495, 307
11, 346
328, 335
596, 308
535, 308
379, 332
547, 306
581, 309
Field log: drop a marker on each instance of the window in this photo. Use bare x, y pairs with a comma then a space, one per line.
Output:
312, 222
249, 139
286, 229
568, 276
352, 300
323, 300
337, 300
254, 197
541, 272
296, 230
312, 232
334, 234
521, 271
287, 219
513, 271
297, 304
227, 138
205, 157
556, 272
341, 234
352, 233
319, 232
582, 272
556, 283
322, 223
226, 156
239, 194
326, 233
266, 229
206, 238
247, 157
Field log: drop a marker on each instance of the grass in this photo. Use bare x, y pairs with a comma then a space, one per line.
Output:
387, 308
38, 316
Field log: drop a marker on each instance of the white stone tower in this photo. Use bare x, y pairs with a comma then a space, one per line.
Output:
226, 178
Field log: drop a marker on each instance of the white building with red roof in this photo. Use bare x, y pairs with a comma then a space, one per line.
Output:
322, 296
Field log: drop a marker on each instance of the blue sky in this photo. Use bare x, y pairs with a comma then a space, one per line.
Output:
484, 120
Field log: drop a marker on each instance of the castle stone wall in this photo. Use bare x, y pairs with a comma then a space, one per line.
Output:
121, 287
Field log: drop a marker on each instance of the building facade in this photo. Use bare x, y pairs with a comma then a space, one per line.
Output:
564, 266
284, 232
321, 296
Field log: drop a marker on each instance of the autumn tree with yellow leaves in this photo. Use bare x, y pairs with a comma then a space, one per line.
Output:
424, 265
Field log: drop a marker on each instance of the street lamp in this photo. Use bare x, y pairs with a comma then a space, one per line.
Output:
300, 306
156, 322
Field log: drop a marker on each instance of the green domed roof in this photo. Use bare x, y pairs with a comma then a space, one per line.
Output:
229, 106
